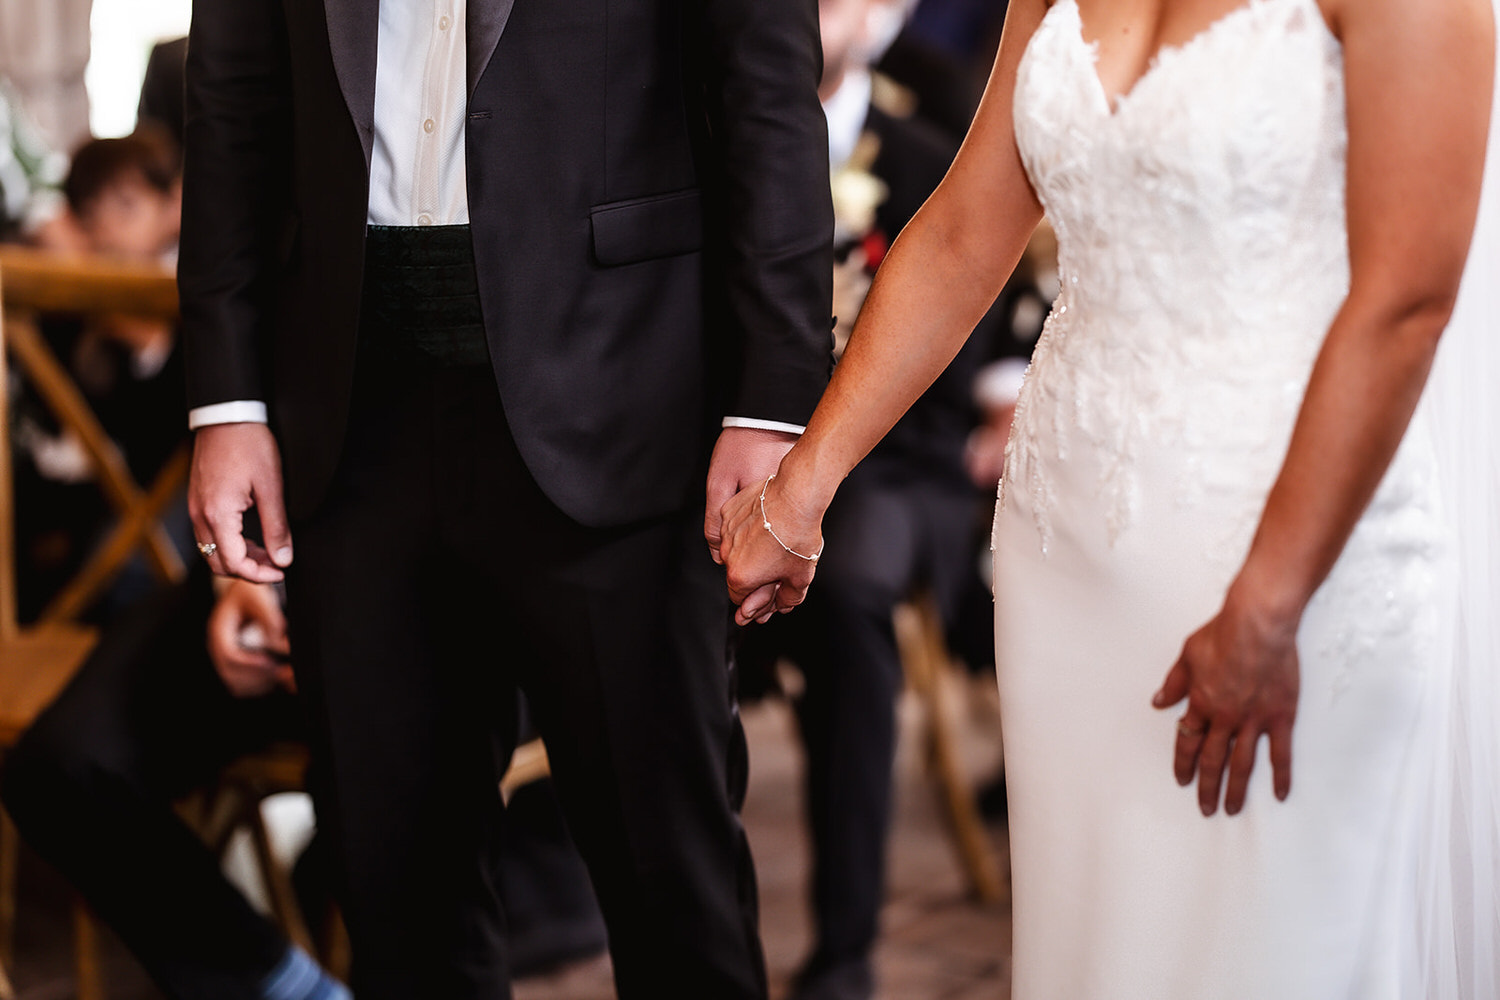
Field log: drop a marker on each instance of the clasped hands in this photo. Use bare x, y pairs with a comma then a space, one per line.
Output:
763, 576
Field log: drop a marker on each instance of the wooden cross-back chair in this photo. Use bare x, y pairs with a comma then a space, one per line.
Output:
38, 658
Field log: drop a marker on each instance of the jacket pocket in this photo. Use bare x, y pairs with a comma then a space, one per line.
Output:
663, 225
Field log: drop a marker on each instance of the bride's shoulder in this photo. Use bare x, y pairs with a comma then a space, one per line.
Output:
1401, 18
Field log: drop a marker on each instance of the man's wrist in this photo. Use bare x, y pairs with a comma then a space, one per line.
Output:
238, 411
755, 423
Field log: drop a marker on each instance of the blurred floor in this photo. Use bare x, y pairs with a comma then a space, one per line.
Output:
937, 944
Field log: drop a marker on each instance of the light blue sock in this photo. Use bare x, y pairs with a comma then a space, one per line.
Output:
298, 977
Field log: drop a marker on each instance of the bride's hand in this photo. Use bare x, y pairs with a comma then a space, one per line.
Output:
1239, 674
763, 576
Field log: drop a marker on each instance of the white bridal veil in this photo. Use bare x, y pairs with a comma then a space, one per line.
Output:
1459, 883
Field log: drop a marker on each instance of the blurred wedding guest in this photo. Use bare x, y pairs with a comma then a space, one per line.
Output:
940, 87
967, 29
124, 196
127, 194
32, 207
905, 520
157, 711
154, 713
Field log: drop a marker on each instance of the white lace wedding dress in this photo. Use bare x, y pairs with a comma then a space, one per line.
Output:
1203, 254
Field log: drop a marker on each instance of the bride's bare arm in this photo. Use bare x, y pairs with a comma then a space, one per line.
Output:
941, 275
1419, 87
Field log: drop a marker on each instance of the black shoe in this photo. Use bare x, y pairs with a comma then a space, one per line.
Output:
850, 979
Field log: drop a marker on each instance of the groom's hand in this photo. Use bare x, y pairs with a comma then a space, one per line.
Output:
236, 467
764, 577
743, 456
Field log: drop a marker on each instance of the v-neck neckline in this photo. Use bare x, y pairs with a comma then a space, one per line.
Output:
1113, 104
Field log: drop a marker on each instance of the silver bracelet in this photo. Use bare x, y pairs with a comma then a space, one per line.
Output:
767, 522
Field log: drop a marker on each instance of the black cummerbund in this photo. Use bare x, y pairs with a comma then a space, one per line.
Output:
421, 297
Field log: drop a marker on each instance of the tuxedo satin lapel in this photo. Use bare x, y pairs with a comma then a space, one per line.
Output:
353, 36
486, 23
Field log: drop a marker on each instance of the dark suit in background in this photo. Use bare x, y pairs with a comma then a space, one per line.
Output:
161, 89
649, 215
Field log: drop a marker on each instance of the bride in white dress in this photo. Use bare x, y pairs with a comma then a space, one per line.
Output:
1221, 489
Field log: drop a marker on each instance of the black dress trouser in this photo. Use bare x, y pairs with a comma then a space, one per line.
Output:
91, 787
436, 578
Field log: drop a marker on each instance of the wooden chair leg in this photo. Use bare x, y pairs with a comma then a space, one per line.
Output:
334, 951
925, 659
278, 883
86, 952
10, 849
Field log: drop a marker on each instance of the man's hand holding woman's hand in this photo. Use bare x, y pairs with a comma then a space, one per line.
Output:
236, 467
763, 576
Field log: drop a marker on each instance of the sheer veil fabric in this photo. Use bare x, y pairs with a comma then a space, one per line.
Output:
1459, 881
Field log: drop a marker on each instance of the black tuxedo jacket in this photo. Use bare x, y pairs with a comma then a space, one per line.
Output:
648, 195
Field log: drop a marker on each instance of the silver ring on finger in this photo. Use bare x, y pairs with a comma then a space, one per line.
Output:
1184, 729
207, 549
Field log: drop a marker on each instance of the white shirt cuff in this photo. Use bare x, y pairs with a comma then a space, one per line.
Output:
764, 425
239, 411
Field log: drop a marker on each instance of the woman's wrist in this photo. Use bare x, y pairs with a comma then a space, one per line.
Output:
792, 504
1274, 600
804, 483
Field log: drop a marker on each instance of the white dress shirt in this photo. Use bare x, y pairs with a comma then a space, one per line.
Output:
417, 167
421, 99
847, 109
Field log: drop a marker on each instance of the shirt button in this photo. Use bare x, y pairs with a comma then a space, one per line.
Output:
428, 126
424, 219
443, 23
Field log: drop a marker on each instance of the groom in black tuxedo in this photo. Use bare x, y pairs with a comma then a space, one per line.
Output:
487, 280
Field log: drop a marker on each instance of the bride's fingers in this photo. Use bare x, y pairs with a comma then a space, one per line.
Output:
1211, 761
1175, 687
1280, 737
1241, 763
1191, 730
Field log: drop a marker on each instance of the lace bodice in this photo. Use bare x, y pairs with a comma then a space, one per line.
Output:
1201, 244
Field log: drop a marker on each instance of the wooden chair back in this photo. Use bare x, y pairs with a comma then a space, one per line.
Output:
33, 284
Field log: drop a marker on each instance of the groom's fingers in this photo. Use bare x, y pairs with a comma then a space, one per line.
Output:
789, 596
760, 601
